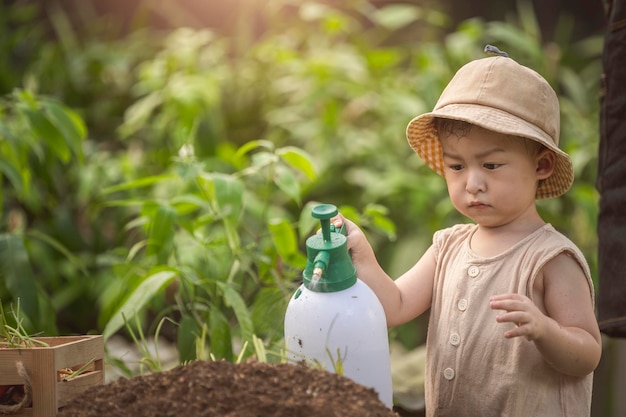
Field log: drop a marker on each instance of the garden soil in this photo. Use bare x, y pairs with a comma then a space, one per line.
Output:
219, 388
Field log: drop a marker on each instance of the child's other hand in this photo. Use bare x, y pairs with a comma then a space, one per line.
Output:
519, 310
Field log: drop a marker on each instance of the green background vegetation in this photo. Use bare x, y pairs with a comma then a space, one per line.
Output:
161, 180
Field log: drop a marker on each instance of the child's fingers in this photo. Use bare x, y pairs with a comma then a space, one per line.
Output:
504, 297
518, 311
517, 317
508, 305
511, 302
520, 320
519, 331
337, 221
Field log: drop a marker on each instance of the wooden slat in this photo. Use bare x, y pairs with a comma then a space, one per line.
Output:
64, 340
79, 352
66, 390
43, 378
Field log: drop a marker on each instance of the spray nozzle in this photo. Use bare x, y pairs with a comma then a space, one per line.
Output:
320, 264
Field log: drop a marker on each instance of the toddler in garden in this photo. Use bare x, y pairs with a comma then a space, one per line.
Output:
512, 329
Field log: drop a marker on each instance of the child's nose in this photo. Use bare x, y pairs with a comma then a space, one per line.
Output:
475, 182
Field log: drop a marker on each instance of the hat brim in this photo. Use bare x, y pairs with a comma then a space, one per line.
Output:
424, 139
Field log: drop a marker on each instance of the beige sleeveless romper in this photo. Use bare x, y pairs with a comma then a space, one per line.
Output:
472, 370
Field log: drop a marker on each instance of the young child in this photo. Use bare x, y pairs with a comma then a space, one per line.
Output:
512, 329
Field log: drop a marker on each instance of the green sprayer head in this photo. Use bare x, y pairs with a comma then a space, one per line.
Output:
329, 267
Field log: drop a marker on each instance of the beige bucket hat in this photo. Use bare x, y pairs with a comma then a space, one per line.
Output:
498, 94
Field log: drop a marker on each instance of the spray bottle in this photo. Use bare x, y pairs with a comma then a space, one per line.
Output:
334, 320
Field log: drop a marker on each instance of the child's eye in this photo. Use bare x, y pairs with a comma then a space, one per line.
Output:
455, 167
491, 166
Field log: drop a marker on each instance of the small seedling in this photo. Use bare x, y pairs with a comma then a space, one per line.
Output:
67, 374
16, 336
338, 363
150, 360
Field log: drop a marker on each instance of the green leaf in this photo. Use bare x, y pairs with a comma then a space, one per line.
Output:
268, 309
148, 288
140, 183
188, 332
233, 299
131, 202
264, 159
219, 335
382, 58
298, 159
225, 193
386, 225
17, 273
137, 115
49, 133
69, 124
287, 182
283, 237
376, 210
306, 223
350, 212
161, 234
396, 16
379, 217
54, 243
13, 175
253, 145
188, 203
228, 196
25, 97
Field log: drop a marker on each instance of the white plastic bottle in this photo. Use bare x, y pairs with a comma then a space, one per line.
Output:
334, 320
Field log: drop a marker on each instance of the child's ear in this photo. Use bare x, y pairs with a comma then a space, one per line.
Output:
546, 162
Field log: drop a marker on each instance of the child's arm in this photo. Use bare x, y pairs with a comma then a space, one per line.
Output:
403, 299
567, 335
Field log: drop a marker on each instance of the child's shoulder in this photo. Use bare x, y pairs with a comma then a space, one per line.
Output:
560, 242
556, 237
458, 232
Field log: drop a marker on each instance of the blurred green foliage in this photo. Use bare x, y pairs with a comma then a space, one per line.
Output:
170, 175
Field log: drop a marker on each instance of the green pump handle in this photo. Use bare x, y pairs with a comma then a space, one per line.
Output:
325, 212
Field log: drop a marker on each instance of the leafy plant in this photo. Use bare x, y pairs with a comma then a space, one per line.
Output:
39, 137
222, 241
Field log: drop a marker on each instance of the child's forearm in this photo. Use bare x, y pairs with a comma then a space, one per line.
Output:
404, 298
417, 282
570, 350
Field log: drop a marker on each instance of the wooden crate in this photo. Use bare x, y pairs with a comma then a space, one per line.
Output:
50, 391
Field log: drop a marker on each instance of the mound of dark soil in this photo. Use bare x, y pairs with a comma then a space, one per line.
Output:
250, 389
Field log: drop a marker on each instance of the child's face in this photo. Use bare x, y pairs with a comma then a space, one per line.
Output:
492, 178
